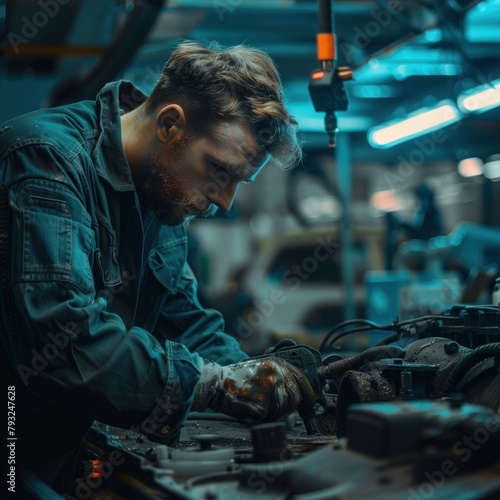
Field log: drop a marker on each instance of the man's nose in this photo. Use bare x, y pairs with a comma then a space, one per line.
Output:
224, 197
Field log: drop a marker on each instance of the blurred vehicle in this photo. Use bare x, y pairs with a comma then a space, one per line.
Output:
294, 286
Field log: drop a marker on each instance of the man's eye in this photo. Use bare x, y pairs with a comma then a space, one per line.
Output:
218, 168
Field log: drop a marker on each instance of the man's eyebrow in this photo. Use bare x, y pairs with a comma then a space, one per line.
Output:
231, 167
239, 170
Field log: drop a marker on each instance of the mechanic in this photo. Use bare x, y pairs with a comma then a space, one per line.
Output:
100, 318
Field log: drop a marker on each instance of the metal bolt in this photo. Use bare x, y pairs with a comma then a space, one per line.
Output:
451, 348
406, 391
319, 409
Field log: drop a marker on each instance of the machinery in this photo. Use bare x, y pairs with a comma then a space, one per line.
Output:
393, 450
414, 416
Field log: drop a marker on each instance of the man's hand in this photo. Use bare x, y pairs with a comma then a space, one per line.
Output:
263, 389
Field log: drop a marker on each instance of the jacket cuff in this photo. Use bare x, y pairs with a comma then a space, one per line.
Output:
166, 420
226, 351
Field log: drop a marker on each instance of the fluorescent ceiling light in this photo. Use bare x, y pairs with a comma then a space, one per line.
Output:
480, 98
388, 201
372, 91
418, 123
419, 68
470, 167
492, 170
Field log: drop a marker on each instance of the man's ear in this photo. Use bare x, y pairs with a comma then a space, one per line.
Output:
170, 123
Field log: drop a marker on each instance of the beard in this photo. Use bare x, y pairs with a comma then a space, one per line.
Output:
168, 193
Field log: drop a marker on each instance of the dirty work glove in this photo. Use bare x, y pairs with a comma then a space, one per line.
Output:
262, 389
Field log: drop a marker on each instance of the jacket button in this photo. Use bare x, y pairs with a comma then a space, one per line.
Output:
107, 275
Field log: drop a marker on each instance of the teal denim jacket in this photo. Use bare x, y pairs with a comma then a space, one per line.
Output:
106, 321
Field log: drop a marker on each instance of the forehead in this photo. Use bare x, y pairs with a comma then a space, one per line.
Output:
235, 145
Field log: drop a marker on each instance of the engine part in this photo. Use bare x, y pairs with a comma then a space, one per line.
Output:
399, 449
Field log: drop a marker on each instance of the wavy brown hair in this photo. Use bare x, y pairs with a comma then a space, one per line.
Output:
213, 84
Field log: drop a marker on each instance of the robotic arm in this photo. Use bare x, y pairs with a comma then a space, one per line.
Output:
326, 85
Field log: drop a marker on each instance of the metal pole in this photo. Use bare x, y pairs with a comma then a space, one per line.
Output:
343, 155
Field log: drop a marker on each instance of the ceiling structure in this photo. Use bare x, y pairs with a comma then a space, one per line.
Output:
406, 54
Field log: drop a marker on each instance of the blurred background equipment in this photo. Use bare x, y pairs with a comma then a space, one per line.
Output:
425, 224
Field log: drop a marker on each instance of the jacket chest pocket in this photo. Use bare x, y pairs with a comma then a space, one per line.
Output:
165, 264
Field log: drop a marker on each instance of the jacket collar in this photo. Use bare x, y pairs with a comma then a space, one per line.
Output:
114, 99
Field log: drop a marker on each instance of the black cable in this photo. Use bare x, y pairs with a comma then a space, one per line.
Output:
339, 367
370, 325
325, 16
473, 358
429, 317
387, 340
344, 334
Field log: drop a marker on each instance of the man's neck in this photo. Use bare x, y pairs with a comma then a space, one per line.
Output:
136, 136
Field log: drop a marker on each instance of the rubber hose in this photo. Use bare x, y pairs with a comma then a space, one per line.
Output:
325, 16
373, 354
470, 360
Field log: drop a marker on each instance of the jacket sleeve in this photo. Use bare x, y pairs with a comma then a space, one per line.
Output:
200, 329
64, 343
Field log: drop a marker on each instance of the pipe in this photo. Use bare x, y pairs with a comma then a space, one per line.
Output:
338, 368
130, 37
470, 360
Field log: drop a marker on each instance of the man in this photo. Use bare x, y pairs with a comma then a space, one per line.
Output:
99, 314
